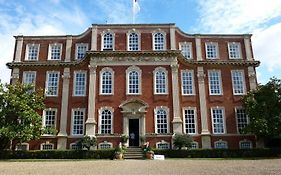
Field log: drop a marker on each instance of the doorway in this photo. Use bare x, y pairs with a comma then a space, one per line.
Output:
134, 132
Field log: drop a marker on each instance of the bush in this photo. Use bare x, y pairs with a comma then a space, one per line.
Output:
58, 154
182, 140
219, 153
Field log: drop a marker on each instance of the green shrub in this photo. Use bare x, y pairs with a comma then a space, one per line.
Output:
182, 140
58, 154
219, 153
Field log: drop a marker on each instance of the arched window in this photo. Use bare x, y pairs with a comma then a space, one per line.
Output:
108, 41
106, 81
161, 120
221, 144
133, 80
133, 42
106, 121
158, 41
160, 81
245, 144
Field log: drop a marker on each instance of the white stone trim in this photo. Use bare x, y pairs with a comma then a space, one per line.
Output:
74, 83
217, 50
27, 51
195, 120
240, 51
76, 48
245, 140
243, 79
198, 48
163, 142
161, 69
18, 50
50, 49
248, 50
252, 78
72, 121
46, 83
68, 49
19, 144
139, 39
105, 142
193, 82
220, 82
107, 69
173, 38
221, 141
128, 70
223, 118
94, 38
112, 118
167, 110
47, 143
164, 40
113, 39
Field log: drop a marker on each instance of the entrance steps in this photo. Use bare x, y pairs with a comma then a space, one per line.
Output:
133, 153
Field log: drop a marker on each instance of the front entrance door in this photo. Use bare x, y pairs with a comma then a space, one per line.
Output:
134, 132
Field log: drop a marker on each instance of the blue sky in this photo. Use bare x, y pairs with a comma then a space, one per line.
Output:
262, 18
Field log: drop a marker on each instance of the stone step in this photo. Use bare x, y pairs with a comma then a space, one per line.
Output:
133, 153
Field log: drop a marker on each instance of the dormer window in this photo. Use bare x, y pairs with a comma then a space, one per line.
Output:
54, 51
108, 41
32, 52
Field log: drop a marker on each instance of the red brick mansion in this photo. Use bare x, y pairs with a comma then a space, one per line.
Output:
152, 80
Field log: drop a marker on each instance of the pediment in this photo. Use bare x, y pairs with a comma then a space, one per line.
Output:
133, 106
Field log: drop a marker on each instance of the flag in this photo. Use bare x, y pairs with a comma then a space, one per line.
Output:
136, 7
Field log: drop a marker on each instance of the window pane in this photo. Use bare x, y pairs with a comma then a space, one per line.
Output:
190, 124
161, 121
107, 41
81, 50
133, 42
214, 82
234, 50
134, 82
160, 80
238, 82
106, 83
242, 119
52, 83
158, 41
218, 121
80, 84
106, 122
187, 82
78, 122
211, 50
186, 50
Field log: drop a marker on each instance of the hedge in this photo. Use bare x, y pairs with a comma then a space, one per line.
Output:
220, 153
58, 154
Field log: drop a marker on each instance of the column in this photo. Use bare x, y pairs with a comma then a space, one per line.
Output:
172, 38
68, 49
177, 122
62, 135
15, 75
91, 121
248, 49
19, 42
205, 133
198, 48
252, 78
94, 38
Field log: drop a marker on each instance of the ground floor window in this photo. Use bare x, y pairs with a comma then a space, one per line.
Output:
105, 145
22, 147
47, 146
194, 145
162, 145
221, 145
245, 144
75, 146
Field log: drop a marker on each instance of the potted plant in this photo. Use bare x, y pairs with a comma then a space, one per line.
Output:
119, 153
149, 153
124, 139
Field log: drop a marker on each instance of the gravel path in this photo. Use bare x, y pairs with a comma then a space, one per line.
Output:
143, 167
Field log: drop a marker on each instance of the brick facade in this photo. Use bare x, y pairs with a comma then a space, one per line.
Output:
142, 106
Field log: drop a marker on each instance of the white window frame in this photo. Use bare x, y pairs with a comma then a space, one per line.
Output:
47, 82
186, 53
128, 40
156, 70
75, 81
245, 141
220, 142
41, 146
234, 83
24, 77
216, 123
24, 144
113, 40
50, 51
184, 120
187, 85
166, 109
100, 119
196, 145
219, 82
139, 71
76, 144
216, 50
27, 49
77, 49
164, 40
107, 143
238, 52
106, 69
44, 119
72, 121
162, 142
237, 121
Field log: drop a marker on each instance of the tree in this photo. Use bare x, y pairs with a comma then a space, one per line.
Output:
263, 107
19, 118
87, 142
182, 140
